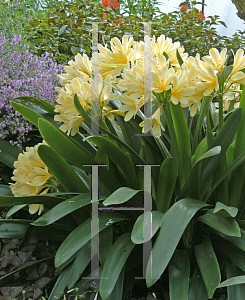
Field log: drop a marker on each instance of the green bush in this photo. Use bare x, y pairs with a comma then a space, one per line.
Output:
65, 30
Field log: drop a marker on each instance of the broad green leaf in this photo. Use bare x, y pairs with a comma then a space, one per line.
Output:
225, 225
179, 275
60, 285
61, 170
176, 220
224, 138
105, 243
183, 137
64, 208
238, 176
121, 195
166, 182
14, 209
48, 107
232, 281
81, 235
180, 60
230, 155
237, 241
139, 235
208, 265
47, 200
194, 180
200, 150
197, 287
117, 292
91, 280
119, 157
224, 210
233, 253
114, 264
74, 153
28, 113
13, 229
216, 181
5, 190
83, 257
234, 291
9, 153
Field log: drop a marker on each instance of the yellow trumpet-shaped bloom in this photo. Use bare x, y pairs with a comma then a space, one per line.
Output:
31, 176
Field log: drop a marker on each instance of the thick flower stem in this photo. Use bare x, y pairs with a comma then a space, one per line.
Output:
167, 115
221, 118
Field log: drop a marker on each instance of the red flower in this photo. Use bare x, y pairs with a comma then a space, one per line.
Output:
105, 14
106, 3
184, 7
202, 17
115, 4
120, 20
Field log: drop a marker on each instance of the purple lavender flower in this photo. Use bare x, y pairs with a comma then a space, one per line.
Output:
23, 74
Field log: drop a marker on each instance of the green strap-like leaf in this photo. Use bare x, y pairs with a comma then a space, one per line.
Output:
179, 275
5, 190
236, 291
48, 107
209, 266
64, 208
233, 281
80, 263
114, 264
225, 225
81, 235
13, 230
224, 138
47, 200
138, 234
183, 137
216, 181
230, 251
197, 287
60, 285
14, 209
176, 220
9, 153
194, 180
119, 157
226, 211
74, 153
61, 170
237, 176
32, 114
121, 195
166, 182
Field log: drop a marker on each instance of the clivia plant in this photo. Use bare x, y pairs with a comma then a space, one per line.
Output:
146, 125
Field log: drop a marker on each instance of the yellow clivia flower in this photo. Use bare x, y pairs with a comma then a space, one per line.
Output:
239, 62
216, 59
31, 176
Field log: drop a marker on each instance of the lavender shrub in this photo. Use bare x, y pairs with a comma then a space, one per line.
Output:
23, 74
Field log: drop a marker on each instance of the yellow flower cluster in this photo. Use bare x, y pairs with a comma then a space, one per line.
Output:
31, 176
125, 66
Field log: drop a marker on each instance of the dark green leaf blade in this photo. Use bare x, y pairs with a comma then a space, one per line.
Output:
175, 221
61, 170
179, 275
208, 265
81, 235
114, 264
